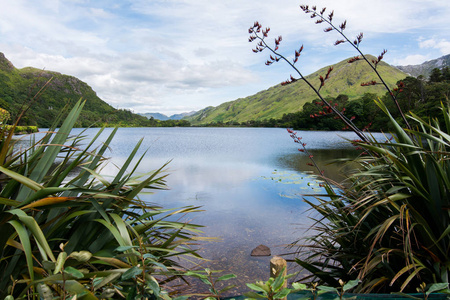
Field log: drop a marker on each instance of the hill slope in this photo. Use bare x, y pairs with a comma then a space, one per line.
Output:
274, 102
18, 86
425, 68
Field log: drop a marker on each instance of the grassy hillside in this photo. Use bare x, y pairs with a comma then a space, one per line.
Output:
19, 86
278, 100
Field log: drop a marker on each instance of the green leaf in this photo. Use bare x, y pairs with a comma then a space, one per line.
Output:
105, 280
125, 248
256, 287
351, 284
226, 277
328, 289
181, 298
149, 256
435, 287
60, 261
44, 291
227, 288
22, 179
153, 285
33, 226
78, 289
25, 241
82, 256
132, 292
281, 294
253, 295
206, 281
73, 272
195, 274
299, 286
131, 273
279, 281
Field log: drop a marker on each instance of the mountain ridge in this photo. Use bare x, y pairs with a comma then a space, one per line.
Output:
278, 100
19, 86
163, 117
425, 68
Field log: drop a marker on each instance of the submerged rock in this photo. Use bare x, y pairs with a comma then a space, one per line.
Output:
261, 250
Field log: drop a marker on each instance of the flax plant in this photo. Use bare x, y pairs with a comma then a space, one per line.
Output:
388, 225
67, 231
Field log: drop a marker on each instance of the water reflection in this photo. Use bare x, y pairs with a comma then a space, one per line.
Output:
249, 181
331, 161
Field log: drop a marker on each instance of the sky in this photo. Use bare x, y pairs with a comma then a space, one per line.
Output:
174, 56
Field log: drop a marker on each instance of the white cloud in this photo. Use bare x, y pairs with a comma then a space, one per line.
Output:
442, 45
416, 59
174, 54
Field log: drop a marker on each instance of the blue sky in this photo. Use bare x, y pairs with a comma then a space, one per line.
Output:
174, 56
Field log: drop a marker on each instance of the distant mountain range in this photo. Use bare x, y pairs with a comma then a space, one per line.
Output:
425, 68
163, 117
278, 100
16, 87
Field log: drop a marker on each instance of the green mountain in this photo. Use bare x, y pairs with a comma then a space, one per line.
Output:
345, 79
425, 68
19, 86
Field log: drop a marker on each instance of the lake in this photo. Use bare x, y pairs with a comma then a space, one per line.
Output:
249, 181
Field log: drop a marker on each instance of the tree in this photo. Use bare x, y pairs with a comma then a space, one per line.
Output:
435, 75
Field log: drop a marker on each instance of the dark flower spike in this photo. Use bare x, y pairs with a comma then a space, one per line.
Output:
352, 60
322, 81
297, 54
323, 10
272, 58
380, 57
339, 42
328, 29
330, 16
343, 25
314, 8
373, 82
319, 21
328, 73
358, 39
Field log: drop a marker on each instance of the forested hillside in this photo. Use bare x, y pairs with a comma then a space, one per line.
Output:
18, 88
417, 95
279, 100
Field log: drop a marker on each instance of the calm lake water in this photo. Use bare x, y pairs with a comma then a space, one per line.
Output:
249, 181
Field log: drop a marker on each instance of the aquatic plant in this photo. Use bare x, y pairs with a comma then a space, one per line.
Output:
388, 225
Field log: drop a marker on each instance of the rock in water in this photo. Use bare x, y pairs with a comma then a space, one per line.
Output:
261, 250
